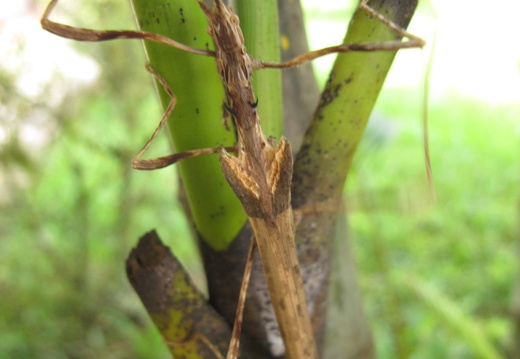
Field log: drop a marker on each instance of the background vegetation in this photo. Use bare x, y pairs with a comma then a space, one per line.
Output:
437, 276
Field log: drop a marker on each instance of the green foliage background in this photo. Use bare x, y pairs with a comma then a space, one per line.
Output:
436, 276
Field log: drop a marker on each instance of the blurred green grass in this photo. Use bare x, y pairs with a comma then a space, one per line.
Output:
463, 243
73, 209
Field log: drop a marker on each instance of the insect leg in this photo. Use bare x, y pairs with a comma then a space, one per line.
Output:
161, 162
237, 325
413, 41
81, 34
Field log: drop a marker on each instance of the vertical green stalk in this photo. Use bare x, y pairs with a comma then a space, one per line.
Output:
320, 171
259, 23
196, 121
346, 103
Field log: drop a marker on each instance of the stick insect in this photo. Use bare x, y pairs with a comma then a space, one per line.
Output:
260, 171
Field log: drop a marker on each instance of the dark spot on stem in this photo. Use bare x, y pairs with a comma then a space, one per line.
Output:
330, 93
181, 12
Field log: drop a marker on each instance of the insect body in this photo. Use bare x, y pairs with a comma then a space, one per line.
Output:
260, 175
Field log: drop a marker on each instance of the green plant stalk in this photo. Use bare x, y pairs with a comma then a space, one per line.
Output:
259, 23
320, 171
196, 121
345, 106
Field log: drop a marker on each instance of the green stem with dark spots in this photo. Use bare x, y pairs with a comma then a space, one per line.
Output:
197, 120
